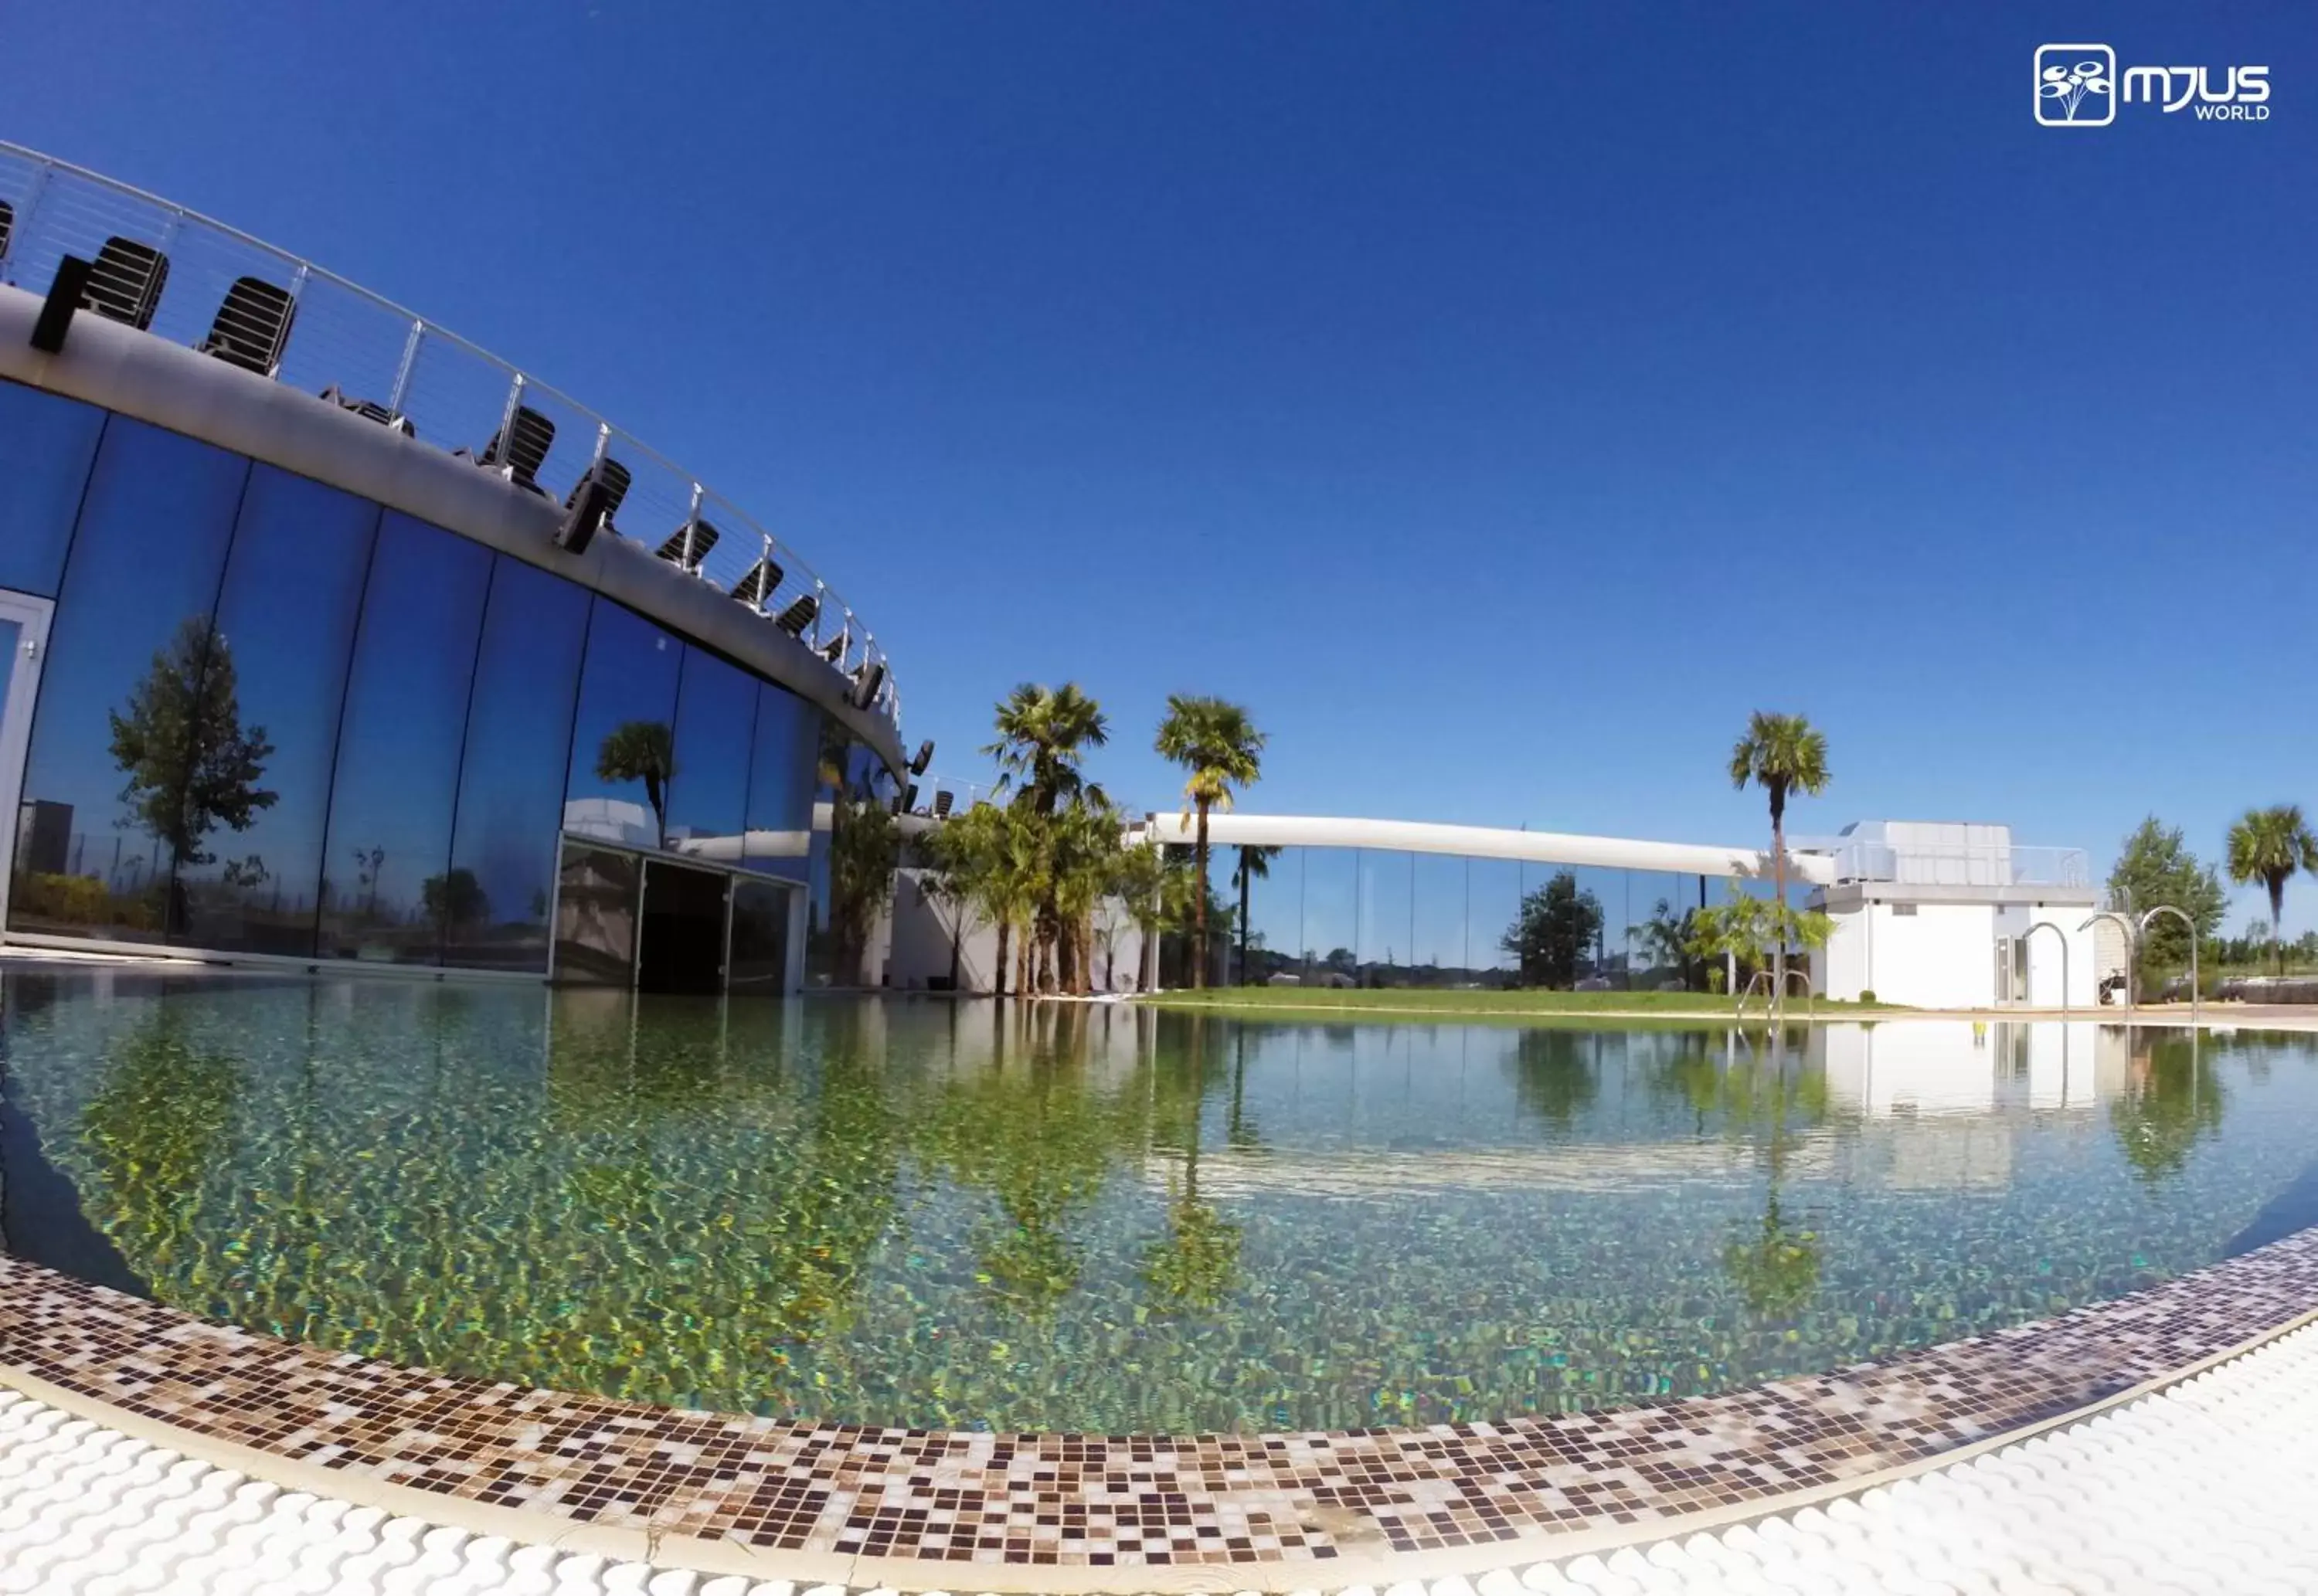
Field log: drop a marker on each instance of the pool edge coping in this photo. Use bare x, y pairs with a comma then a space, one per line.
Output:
1348, 1567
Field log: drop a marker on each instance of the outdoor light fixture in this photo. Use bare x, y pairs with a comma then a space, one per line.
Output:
925, 757
872, 679
942, 801
57, 310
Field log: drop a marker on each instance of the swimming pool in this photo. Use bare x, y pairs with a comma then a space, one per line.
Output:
955, 1215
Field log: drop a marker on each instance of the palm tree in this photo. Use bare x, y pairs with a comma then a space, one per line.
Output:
1780, 754
1041, 732
645, 751
1221, 748
2269, 846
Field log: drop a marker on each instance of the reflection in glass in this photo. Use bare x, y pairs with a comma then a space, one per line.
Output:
1556, 932
295, 536
760, 955
623, 742
108, 781
511, 775
783, 773
715, 712
1275, 928
1331, 916
387, 888
1494, 892
596, 917
46, 447
1439, 950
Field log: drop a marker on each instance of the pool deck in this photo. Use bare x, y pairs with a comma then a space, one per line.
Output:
172, 1403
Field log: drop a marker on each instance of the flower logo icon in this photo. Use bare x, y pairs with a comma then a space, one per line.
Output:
2076, 85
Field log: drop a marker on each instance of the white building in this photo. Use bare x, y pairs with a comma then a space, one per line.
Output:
1956, 915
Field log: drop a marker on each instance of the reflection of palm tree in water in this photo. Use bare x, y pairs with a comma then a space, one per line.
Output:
1776, 1269
2170, 1100
1197, 1261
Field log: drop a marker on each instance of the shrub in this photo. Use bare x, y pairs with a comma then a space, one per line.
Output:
1867, 994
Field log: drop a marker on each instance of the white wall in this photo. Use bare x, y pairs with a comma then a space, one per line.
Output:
1943, 956
923, 928
2044, 960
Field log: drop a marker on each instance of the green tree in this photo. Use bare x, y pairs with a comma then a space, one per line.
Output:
454, 899
1556, 925
1219, 747
1667, 937
1043, 733
1747, 929
2269, 846
1087, 849
1141, 884
864, 845
2154, 866
192, 768
644, 751
1780, 754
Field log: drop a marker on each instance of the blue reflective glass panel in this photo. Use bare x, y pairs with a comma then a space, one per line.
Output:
783, 777
623, 743
108, 785
285, 629
388, 889
715, 723
47, 444
503, 846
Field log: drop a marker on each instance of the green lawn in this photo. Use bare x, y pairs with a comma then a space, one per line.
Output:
1424, 1003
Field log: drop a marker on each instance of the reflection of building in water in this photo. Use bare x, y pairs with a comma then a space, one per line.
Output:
1939, 1067
1965, 1086
1566, 1166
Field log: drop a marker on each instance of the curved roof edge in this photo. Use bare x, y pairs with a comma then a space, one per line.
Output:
1491, 842
115, 367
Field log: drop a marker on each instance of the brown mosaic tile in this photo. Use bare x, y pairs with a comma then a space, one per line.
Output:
1109, 1500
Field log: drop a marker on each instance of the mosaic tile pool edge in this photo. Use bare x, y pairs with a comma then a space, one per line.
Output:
1098, 1501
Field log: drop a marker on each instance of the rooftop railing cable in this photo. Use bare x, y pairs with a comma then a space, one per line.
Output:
197, 282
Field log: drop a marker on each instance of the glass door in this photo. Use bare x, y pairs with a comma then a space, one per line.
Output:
36, 835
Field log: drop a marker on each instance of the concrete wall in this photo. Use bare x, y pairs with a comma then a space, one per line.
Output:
924, 928
1943, 956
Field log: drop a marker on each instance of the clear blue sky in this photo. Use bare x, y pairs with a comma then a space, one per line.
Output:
1501, 400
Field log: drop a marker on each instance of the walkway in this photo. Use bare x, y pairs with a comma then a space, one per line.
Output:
2204, 1487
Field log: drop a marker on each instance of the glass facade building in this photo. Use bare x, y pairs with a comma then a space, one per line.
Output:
1325, 916
274, 717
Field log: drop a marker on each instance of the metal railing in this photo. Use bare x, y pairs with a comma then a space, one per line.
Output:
2002, 865
404, 371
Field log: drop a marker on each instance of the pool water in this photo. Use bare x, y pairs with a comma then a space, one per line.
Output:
916, 1212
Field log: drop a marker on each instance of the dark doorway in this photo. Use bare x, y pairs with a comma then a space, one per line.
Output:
761, 937
683, 948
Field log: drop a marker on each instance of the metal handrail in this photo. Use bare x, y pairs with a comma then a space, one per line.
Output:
1959, 863
450, 390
